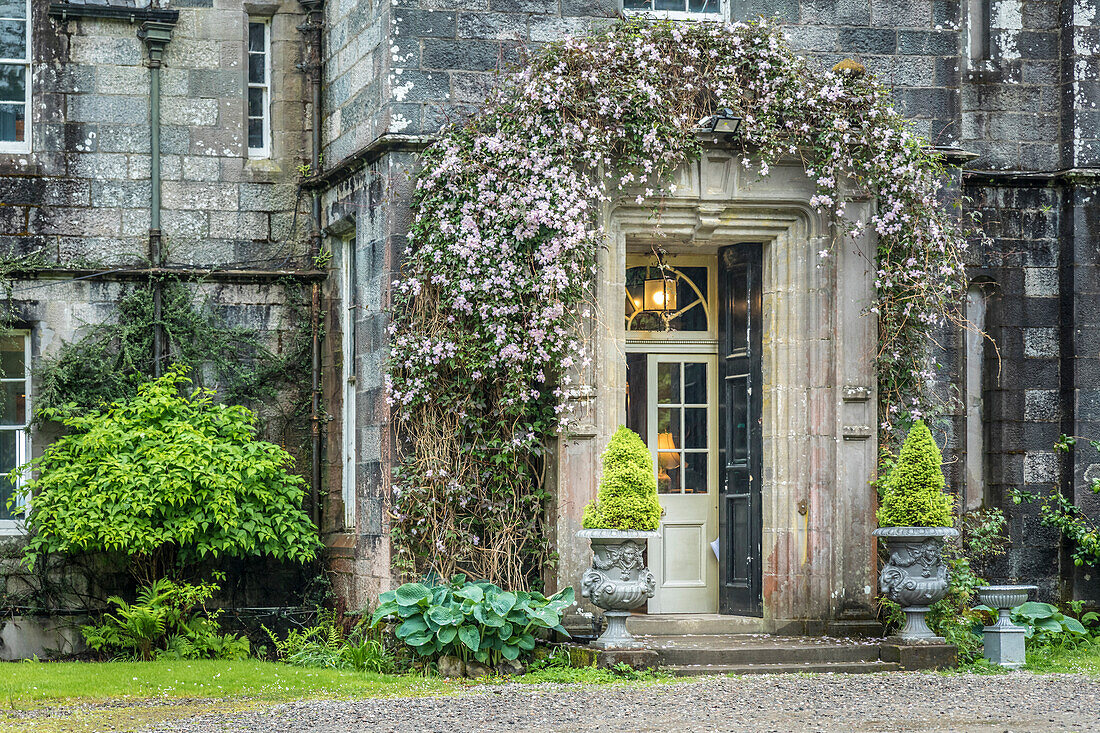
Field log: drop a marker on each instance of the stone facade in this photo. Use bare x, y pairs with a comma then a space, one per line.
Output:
1016, 84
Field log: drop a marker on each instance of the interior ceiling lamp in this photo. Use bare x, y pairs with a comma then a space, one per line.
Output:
666, 461
722, 121
660, 290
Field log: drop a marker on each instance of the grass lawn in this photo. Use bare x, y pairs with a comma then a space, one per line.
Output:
1084, 660
119, 696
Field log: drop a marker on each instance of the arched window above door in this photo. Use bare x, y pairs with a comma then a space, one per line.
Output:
688, 306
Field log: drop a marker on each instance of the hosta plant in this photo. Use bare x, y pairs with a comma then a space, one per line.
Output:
474, 621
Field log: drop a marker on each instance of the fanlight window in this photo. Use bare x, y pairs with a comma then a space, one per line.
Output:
687, 311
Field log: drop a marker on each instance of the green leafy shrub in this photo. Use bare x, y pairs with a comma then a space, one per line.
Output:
914, 492
326, 644
628, 488
471, 620
1046, 625
165, 479
167, 620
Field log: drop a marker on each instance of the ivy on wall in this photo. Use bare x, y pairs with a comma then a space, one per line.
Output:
501, 255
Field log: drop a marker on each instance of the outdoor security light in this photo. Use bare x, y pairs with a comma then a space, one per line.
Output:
723, 121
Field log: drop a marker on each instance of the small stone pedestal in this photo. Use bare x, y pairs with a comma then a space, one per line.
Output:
1004, 640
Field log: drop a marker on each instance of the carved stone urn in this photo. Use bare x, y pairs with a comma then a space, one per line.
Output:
915, 576
618, 581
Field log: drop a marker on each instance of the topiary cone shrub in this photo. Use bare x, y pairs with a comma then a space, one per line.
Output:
914, 492
628, 488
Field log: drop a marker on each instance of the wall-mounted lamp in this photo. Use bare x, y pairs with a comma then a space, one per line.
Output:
723, 121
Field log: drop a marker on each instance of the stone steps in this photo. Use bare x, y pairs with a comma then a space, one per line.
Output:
738, 650
867, 667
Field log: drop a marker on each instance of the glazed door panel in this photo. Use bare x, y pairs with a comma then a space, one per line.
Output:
681, 434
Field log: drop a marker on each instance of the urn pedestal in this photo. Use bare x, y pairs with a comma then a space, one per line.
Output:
1004, 640
618, 581
915, 576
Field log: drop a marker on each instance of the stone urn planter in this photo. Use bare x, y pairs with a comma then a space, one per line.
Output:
1004, 640
618, 581
915, 576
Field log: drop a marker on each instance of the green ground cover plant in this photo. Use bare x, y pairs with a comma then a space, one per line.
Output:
328, 644
471, 620
627, 498
164, 480
167, 620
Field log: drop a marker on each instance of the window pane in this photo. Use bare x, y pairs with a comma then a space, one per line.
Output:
12, 123
13, 8
636, 4
13, 80
13, 404
8, 456
695, 473
668, 383
13, 39
255, 134
704, 6
695, 427
11, 357
669, 5
256, 68
256, 36
695, 383
255, 102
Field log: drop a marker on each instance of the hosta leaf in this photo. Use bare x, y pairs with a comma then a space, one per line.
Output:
1074, 625
510, 652
470, 637
444, 616
471, 593
527, 641
502, 603
420, 639
412, 594
414, 625
447, 634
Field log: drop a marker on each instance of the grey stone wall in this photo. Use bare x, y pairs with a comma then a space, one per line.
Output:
82, 195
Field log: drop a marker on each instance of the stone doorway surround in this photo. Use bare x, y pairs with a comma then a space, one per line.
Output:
819, 403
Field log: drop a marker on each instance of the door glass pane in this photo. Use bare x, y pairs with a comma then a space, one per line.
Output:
668, 472
695, 383
668, 383
8, 456
668, 428
695, 473
11, 357
695, 427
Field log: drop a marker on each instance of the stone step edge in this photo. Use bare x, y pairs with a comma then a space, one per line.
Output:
691, 670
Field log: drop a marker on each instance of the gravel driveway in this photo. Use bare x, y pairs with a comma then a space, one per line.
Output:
848, 703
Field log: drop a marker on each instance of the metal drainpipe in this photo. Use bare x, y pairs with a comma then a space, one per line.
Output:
314, 25
156, 35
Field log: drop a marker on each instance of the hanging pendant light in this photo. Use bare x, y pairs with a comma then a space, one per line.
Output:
659, 294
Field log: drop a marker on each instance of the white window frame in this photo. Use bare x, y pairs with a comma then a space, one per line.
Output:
722, 14
22, 432
265, 151
350, 424
23, 146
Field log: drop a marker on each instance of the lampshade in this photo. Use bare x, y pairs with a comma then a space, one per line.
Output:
666, 461
660, 293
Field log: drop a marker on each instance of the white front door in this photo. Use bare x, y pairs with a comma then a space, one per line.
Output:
682, 435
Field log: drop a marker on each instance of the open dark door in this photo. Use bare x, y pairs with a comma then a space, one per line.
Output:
739, 410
